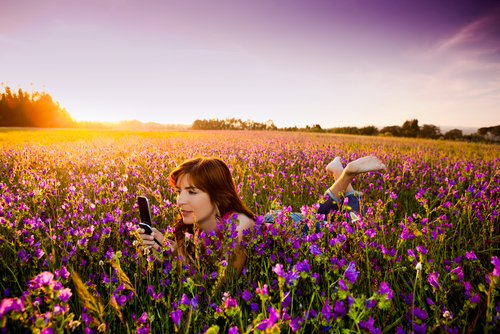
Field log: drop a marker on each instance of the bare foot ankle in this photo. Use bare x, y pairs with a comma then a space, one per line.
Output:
335, 167
364, 165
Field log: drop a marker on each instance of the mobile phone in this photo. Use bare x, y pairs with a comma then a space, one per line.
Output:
145, 214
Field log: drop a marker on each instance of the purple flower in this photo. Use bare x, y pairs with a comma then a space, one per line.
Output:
422, 249
278, 269
294, 324
339, 309
233, 330
316, 277
11, 304
342, 285
247, 295
371, 232
433, 280
44, 278
384, 288
419, 313
263, 291
185, 300
458, 271
368, 325
470, 256
315, 250
475, 299
176, 316
327, 310
65, 294
254, 306
269, 322
495, 261
47, 330
370, 303
303, 266
351, 273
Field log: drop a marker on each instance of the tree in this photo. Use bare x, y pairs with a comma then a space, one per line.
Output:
429, 131
370, 130
410, 128
453, 134
394, 130
490, 133
32, 110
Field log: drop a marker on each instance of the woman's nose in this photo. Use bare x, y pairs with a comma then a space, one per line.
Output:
181, 199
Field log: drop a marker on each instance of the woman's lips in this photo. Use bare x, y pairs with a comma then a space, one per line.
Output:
186, 213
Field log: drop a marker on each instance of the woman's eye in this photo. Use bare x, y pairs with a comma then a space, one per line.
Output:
192, 192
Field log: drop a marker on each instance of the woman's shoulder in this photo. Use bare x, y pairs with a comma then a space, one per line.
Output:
244, 222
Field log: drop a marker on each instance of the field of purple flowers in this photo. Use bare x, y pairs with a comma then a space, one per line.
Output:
424, 260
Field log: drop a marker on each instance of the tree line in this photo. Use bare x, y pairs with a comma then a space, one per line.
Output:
409, 128
38, 109
33, 109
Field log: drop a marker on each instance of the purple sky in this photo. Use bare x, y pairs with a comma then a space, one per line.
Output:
335, 62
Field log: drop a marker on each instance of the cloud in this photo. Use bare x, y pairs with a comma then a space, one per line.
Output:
479, 38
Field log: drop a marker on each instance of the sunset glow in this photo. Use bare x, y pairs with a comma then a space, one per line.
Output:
333, 63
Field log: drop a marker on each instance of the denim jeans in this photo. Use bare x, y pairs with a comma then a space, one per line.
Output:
355, 203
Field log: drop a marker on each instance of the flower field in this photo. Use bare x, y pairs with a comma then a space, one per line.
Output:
424, 260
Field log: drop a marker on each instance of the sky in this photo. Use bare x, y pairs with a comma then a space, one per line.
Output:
296, 62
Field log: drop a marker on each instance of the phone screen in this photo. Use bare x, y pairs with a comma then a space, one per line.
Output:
144, 210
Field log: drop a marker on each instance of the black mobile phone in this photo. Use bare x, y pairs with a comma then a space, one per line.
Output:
145, 214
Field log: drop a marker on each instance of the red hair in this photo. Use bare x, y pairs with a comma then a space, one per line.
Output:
212, 176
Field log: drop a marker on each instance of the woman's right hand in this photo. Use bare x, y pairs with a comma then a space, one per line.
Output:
149, 240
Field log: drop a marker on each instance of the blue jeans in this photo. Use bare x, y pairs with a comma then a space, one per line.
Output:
355, 203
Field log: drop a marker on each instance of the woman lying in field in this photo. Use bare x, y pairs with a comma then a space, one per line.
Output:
206, 195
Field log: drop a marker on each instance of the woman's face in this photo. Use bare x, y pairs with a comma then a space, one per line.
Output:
193, 202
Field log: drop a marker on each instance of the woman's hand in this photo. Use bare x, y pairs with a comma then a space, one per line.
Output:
149, 240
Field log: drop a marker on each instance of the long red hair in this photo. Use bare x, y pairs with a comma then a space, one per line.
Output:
212, 176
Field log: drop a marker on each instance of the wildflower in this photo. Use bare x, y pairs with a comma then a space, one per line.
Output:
327, 310
371, 232
262, 291
433, 280
294, 323
11, 304
185, 300
65, 294
447, 314
470, 255
303, 266
384, 288
230, 303
176, 316
315, 250
269, 322
475, 299
458, 271
422, 249
278, 269
368, 325
342, 285
339, 309
44, 278
234, 330
47, 330
351, 273
247, 295
419, 313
